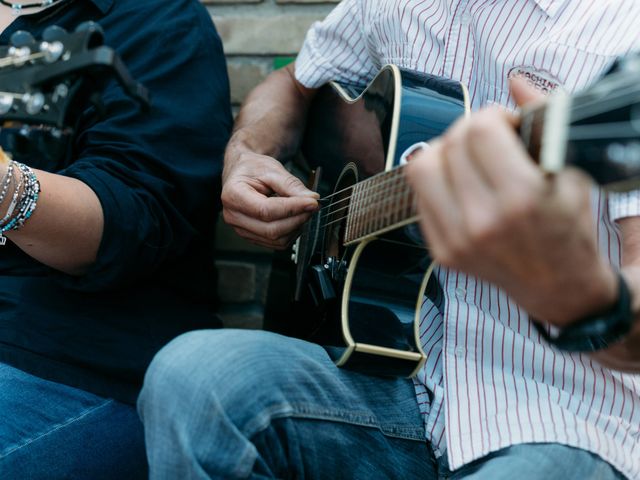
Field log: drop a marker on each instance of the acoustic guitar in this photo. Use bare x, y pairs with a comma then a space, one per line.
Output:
356, 278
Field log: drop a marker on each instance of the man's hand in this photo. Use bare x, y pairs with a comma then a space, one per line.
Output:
263, 202
488, 210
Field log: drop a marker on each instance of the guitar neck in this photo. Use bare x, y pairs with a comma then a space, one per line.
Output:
381, 203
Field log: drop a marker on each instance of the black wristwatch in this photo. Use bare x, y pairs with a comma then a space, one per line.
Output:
595, 332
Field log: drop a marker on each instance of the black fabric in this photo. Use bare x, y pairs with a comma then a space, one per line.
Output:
157, 175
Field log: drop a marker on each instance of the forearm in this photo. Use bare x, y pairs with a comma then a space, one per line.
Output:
66, 227
272, 119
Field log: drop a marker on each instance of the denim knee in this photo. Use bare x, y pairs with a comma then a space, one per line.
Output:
233, 367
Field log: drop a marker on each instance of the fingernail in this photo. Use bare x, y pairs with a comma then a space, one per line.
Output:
309, 193
311, 208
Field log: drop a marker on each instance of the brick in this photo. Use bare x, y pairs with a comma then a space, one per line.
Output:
269, 35
244, 75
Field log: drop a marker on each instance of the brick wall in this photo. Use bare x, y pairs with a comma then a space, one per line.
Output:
259, 35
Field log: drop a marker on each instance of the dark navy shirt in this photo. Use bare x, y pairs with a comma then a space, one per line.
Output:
157, 175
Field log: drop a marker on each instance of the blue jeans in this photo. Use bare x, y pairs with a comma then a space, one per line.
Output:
229, 404
50, 431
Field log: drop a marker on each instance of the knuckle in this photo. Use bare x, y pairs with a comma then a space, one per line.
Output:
227, 216
482, 230
448, 147
522, 207
227, 196
264, 213
292, 182
273, 233
480, 128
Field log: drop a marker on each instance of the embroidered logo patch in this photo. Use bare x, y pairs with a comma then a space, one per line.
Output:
543, 81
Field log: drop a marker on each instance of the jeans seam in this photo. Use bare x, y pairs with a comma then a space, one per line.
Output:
284, 410
55, 428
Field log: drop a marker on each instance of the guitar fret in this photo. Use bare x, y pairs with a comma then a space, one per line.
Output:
379, 203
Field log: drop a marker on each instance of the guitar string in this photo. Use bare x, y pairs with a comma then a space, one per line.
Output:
575, 132
582, 111
406, 194
350, 196
592, 96
323, 226
598, 106
396, 169
345, 216
391, 178
578, 114
13, 94
12, 61
371, 196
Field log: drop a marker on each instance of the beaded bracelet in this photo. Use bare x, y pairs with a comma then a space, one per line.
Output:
14, 200
24, 202
6, 181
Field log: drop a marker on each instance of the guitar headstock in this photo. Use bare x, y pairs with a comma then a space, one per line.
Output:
40, 79
597, 130
45, 84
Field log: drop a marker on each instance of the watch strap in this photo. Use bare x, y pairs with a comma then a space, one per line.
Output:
595, 332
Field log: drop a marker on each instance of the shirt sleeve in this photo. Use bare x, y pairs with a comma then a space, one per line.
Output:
623, 205
156, 173
337, 49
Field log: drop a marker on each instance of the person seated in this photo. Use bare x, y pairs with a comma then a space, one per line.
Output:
494, 400
116, 259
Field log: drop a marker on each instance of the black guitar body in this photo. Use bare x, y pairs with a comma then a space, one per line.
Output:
361, 301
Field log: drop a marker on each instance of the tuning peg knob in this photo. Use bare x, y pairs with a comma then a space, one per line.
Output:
34, 102
6, 102
52, 50
53, 33
90, 26
21, 38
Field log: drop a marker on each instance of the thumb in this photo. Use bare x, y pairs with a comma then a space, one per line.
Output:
287, 185
523, 93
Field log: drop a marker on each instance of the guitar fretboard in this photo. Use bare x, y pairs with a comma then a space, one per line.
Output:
378, 204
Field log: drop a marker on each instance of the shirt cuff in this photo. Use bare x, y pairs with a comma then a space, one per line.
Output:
623, 205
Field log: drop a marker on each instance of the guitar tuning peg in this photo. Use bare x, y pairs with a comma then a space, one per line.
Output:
95, 33
90, 26
52, 50
53, 33
6, 102
34, 102
21, 38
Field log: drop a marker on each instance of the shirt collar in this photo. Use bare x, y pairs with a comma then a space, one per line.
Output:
103, 5
550, 7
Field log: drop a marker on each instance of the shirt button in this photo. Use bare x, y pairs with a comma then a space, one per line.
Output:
460, 351
465, 18
461, 292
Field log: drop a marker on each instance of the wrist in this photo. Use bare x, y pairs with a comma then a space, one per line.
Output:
600, 295
596, 331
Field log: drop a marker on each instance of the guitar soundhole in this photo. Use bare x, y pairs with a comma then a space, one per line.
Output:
334, 222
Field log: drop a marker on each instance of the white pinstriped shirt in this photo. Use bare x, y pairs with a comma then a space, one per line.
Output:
490, 381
